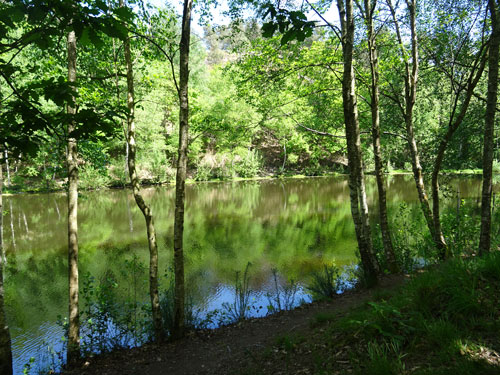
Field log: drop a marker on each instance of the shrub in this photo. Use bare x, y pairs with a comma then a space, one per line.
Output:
118, 175
283, 296
247, 164
91, 178
326, 283
237, 310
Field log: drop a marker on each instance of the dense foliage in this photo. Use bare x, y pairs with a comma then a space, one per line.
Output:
258, 106
92, 91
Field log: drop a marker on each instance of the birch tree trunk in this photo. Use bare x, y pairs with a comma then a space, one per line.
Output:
145, 209
410, 96
72, 165
359, 205
5, 344
369, 9
179, 294
7, 168
489, 127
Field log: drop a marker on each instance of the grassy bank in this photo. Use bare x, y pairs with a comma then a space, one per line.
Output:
35, 186
112, 184
445, 320
442, 321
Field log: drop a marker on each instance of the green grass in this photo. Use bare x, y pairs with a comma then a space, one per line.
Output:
442, 321
462, 171
444, 171
445, 320
399, 171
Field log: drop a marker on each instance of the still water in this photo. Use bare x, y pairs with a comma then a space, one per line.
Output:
292, 225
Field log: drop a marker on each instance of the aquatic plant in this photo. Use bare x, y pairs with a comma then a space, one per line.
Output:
326, 283
238, 309
282, 297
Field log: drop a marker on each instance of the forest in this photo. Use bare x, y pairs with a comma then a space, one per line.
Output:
177, 167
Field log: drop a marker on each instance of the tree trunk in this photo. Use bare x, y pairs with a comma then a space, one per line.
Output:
377, 152
179, 295
454, 123
489, 127
359, 205
7, 168
5, 345
145, 209
72, 165
411, 79
12, 230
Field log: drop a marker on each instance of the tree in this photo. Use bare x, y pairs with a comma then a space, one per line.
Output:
359, 205
368, 10
464, 76
72, 165
407, 107
179, 294
145, 208
489, 127
42, 24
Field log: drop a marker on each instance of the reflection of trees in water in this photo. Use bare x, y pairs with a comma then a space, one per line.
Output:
106, 217
293, 225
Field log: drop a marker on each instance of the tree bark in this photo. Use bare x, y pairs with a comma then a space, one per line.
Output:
489, 127
359, 205
7, 168
72, 165
145, 209
179, 294
377, 152
5, 344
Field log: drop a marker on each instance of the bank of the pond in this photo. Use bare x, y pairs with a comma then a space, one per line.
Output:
11, 190
114, 185
444, 320
228, 349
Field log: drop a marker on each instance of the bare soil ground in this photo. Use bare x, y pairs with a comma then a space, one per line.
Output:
232, 349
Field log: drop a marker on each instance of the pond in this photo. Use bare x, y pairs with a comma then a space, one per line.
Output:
294, 226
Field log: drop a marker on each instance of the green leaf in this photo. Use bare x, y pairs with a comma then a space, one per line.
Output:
268, 29
288, 36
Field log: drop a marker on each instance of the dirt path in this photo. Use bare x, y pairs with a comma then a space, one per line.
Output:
224, 350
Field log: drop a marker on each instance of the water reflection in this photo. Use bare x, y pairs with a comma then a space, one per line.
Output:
293, 225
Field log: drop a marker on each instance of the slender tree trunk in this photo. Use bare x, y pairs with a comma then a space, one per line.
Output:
419, 179
359, 205
17, 162
12, 230
179, 295
72, 165
145, 209
377, 152
489, 128
411, 79
411, 96
453, 125
284, 158
127, 154
5, 345
7, 169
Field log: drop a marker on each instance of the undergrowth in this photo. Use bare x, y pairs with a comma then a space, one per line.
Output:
445, 320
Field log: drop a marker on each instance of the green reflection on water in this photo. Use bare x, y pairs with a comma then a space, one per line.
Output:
293, 225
